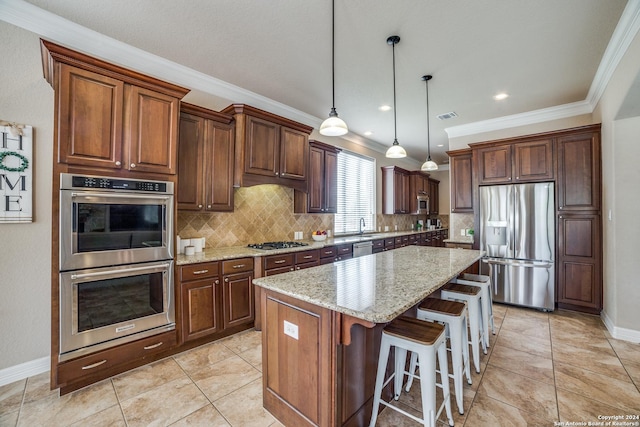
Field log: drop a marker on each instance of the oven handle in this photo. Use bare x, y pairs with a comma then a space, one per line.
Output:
76, 276
120, 196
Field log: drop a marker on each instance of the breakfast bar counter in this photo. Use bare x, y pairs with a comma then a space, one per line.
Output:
322, 328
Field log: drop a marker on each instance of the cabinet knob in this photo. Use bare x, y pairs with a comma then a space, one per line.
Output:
199, 206
208, 206
277, 174
291, 269
226, 279
509, 178
297, 268
133, 165
560, 207
118, 163
217, 282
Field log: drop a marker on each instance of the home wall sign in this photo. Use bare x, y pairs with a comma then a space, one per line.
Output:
16, 174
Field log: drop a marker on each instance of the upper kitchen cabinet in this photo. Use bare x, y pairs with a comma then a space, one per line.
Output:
395, 190
578, 171
418, 186
205, 160
434, 196
269, 149
322, 194
109, 117
515, 160
460, 164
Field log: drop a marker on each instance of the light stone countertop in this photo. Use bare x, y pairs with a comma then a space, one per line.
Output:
231, 252
459, 239
376, 288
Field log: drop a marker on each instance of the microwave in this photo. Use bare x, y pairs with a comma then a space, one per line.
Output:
107, 221
423, 204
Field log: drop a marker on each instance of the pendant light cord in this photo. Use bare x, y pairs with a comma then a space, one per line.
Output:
333, 55
395, 126
426, 84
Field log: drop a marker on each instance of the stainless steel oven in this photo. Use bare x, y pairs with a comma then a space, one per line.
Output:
107, 306
111, 221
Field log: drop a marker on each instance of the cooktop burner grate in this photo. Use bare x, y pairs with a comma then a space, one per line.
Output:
276, 245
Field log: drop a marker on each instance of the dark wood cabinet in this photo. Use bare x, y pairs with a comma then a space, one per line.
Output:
418, 186
533, 160
434, 195
460, 163
269, 149
395, 190
201, 295
322, 193
206, 160
494, 164
238, 293
109, 117
579, 262
579, 173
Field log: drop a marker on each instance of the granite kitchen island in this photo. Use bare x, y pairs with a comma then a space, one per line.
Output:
321, 329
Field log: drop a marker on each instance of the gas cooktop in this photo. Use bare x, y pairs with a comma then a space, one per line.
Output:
267, 246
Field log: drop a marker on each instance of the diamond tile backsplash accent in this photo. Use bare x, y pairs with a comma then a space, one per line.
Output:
264, 213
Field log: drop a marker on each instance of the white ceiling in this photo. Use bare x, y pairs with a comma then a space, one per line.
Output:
544, 53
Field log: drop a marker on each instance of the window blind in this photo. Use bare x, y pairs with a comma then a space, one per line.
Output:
356, 193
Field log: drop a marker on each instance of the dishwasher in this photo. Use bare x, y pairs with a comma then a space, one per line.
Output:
362, 248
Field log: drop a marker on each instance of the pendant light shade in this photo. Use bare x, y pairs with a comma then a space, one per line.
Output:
395, 151
334, 125
429, 165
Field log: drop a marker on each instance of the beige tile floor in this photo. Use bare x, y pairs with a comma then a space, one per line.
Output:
540, 369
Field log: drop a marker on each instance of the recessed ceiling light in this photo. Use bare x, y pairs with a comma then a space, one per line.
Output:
500, 96
368, 133
384, 107
440, 145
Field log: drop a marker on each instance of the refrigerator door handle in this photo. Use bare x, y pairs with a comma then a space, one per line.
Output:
495, 261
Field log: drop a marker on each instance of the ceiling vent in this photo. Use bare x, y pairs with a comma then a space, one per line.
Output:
446, 116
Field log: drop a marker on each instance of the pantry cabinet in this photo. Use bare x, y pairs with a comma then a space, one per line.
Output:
109, 117
269, 149
322, 192
206, 160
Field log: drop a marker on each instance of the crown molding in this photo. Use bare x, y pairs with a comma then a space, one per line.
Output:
624, 33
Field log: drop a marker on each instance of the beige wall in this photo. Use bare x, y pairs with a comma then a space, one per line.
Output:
25, 265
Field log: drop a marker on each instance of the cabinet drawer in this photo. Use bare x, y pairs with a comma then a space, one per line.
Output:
307, 256
398, 241
91, 364
344, 250
328, 252
237, 265
378, 244
278, 261
203, 270
309, 264
389, 243
280, 270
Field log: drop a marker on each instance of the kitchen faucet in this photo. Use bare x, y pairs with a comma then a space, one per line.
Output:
362, 225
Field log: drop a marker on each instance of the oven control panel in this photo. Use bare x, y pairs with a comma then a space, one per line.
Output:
104, 183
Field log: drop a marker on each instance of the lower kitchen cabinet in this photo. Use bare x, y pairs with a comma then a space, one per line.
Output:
237, 292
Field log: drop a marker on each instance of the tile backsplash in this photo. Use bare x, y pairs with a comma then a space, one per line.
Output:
264, 213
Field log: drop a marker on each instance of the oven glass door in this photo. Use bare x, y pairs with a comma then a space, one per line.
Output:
100, 229
104, 304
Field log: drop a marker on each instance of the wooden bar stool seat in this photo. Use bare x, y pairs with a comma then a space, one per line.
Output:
428, 341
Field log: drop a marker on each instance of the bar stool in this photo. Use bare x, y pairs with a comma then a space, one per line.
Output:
484, 282
470, 295
427, 340
453, 315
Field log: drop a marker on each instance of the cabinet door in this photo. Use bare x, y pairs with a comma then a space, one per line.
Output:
293, 154
533, 161
89, 118
331, 182
151, 131
434, 195
190, 154
200, 308
261, 147
401, 192
578, 172
316, 194
219, 152
461, 185
494, 164
579, 262
238, 299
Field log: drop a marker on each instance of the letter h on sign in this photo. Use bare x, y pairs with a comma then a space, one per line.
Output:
16, 167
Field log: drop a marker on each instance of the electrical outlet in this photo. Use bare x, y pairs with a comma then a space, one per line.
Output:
462, 232
291, 330
386, 228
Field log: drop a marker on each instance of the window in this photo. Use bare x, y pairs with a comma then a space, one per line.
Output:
356, 193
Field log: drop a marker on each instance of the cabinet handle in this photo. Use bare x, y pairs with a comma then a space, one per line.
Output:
308, 256
226, 280
328, 252
152, 346
217, 282
94, 365
280, 261
200, 272
238, 266
133, 165
118, 163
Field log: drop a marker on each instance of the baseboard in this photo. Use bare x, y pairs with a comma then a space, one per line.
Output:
618, 332
24, 370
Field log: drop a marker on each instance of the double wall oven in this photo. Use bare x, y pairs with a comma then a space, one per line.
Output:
116, 261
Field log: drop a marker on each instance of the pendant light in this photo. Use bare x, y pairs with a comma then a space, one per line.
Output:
429, 165
334, 125
395, 151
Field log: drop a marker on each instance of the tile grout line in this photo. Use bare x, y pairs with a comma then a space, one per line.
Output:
553, 369
24, 395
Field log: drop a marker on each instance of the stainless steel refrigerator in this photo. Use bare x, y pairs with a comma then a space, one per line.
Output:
517, 233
